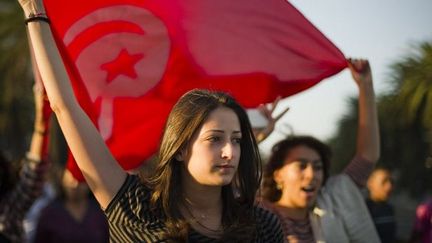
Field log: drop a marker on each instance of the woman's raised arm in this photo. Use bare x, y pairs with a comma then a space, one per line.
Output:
368, 142
101, 171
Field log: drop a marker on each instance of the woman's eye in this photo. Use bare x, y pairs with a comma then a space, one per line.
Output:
237, 140
298, 165
303, 165
213, 139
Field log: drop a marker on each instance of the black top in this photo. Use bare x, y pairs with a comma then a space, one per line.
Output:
384, 219
131, 219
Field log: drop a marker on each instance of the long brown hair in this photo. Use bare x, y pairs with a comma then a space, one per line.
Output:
187, 116
277, 160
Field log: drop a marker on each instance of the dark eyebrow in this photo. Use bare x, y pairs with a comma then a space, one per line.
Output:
220, 131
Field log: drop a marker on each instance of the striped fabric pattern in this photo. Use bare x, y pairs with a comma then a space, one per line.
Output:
132, 220
359, 170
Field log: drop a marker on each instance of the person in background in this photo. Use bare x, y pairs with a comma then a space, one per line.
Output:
73, 216
312, 206
380, 186
422, 230
17, 196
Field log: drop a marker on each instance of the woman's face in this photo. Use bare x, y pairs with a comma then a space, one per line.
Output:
301, 177
213, 154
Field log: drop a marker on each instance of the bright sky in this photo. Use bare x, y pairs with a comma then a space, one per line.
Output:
381, 31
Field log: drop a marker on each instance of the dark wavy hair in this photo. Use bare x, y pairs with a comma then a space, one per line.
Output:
187, 116
277, 160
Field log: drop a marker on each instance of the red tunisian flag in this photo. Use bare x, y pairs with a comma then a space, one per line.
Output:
130, 60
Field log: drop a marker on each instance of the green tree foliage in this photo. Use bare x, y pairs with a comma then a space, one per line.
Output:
412, 80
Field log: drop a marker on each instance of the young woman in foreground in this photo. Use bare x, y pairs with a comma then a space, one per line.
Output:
204, 187
313, 207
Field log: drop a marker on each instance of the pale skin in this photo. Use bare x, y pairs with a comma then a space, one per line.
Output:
267, 112
77, 193
100, 169
35, 150
303, 167
102, 173
40, 121
215, 149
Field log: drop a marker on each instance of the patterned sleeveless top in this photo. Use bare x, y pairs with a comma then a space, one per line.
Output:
131, 219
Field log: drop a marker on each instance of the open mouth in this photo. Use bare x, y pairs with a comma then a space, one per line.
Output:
308, 189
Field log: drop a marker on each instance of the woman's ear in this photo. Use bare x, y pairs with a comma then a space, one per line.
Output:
277, 176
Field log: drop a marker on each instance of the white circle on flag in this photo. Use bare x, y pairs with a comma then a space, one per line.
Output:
120, 51
133, 29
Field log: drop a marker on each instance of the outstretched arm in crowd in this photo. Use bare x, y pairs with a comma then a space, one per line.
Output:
35, 167
368, 142
262, 134
41, 120
101, 171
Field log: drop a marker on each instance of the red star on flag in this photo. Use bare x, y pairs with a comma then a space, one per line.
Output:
123, 64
